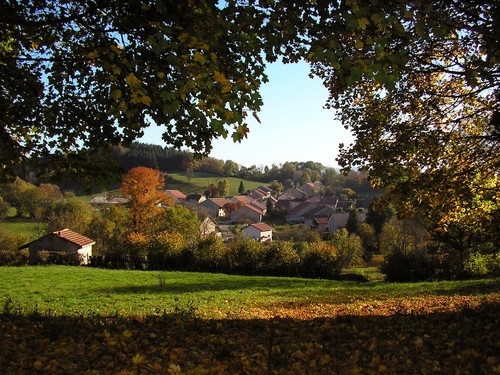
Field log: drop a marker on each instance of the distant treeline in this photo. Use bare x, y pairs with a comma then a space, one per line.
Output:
151, 156
289, 174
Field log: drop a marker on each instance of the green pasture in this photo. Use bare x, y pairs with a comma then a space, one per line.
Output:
64, 290
29, 229
199, 182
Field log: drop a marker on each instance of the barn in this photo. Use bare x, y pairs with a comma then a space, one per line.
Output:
61, 241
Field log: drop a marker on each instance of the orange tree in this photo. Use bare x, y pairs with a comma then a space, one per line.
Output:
145, 189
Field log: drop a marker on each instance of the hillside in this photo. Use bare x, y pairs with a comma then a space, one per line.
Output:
199, 182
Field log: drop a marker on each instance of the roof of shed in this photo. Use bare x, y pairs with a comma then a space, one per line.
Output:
67, 235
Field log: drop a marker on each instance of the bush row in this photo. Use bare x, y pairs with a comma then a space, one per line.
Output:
430, 265
242, 256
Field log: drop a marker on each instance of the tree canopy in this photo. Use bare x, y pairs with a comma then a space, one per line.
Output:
145, 189
88, 74
417, 83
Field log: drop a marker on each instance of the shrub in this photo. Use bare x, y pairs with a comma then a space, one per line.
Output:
403, 266
168, 251
349, 248
279, 258
297, 233
244, 255
66, 259
136, 245
319, 261
9, 254
481, 265
42, 257
211, 255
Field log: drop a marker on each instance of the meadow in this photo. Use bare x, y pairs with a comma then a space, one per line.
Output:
199, 182
58, 319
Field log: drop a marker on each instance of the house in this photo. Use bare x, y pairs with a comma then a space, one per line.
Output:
311, 188
208, 226
178, 196
316, 217
251, 212
337, 220
107, 200
215, 207
320, 223
345, 206
293, 193
226, 233
261, 193
261, 232
329, 200
241, 200
61, 241
193, 200
287, 205
296, 214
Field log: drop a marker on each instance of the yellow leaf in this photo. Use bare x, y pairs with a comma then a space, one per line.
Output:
382, 369
132, 80
115, 49
127, 334
363, 22
146, 100
92, 54
221, 78
138, 359
199, 58
174, 369
116, 94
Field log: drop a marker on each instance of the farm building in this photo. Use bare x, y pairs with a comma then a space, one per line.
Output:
62, 241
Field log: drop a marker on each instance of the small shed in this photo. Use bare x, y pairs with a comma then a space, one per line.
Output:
61, 241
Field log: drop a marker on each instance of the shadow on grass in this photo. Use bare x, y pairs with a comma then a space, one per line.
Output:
166, 286
291, 286
467, 342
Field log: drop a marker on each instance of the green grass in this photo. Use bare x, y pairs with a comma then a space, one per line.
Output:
199, 182
21, 227
70, 291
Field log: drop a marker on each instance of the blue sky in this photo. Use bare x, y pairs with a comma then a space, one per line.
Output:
294, 125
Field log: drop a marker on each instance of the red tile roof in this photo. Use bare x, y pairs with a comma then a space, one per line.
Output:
263, 227
176, 193
74, 237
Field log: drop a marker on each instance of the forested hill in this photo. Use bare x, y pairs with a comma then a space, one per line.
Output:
151, 156
291, 173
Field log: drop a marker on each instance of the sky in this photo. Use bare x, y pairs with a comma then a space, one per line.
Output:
294, 125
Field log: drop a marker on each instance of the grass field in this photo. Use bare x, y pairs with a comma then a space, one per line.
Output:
196, 184
76, 290
21, 227
199, 182
69, 320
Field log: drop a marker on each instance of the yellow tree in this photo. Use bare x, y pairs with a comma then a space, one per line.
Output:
145, 189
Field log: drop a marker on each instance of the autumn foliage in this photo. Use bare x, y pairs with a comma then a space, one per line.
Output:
145, 189
445, 334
